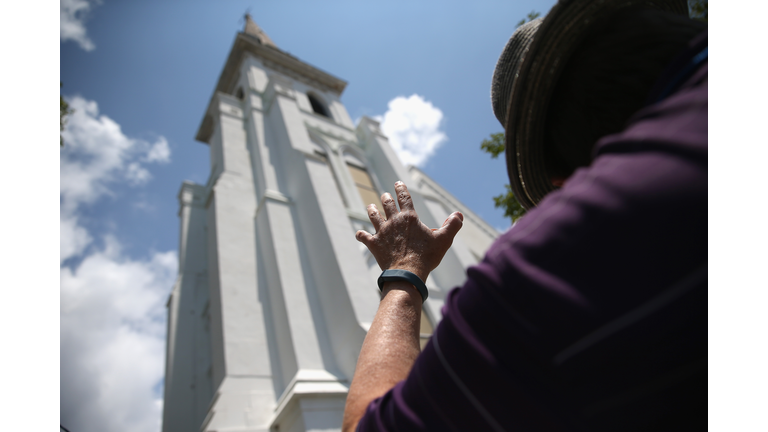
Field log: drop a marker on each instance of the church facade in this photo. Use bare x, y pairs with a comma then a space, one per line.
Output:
274, 295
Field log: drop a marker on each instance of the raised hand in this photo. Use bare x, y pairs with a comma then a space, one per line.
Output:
402, 241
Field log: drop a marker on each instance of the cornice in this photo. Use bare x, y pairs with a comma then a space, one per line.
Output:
274, 58
191, 194
220, 103
277, 59
326, 128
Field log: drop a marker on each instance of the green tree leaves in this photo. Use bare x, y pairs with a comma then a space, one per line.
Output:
494, 146
532, 15
506, 201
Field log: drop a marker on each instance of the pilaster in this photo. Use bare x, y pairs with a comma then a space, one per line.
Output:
311, 244
188, 347
241, 371
349, 298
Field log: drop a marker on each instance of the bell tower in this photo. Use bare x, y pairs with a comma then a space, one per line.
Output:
274, 294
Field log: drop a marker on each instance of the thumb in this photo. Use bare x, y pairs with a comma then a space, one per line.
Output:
451, 226
364, 237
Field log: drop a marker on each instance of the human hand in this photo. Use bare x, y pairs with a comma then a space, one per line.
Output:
403, 241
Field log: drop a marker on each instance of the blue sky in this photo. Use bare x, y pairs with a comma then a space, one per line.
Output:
154, 65
140, 74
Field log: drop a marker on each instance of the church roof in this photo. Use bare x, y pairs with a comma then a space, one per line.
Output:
253, 29
254, 41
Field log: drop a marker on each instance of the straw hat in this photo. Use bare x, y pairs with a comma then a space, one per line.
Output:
526, 74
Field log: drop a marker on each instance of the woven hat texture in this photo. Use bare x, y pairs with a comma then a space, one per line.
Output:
526, 74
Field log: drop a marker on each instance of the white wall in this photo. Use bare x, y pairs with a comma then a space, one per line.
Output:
283, 294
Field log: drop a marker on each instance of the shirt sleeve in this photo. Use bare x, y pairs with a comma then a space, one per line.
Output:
591, 312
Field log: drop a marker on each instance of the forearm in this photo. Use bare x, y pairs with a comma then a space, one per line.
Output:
401, 242
388, 352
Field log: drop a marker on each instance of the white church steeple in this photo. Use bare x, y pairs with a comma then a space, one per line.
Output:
274, 294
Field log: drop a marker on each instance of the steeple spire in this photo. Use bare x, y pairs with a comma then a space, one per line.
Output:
251, 28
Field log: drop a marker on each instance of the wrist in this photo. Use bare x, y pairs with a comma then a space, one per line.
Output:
416, 269
411, 279
404, 291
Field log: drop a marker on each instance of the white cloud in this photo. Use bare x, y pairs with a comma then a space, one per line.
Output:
137, 174
72, 22
112, 316
413, 127
113, 341
97, 153
159, 152
73, 237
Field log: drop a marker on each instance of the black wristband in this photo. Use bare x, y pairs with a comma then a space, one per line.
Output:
404, 275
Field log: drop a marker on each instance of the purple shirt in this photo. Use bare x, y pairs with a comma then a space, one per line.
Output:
591, 312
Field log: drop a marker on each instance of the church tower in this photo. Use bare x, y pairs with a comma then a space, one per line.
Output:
274, 294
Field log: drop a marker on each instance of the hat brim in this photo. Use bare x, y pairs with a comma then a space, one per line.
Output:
559, 35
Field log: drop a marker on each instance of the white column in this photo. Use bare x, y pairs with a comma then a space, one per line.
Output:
278, 231
242, 373
188, 353
314, 248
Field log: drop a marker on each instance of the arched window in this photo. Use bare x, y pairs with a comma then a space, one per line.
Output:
363, 182
318, 106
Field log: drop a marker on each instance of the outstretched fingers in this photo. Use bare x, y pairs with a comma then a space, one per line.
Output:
390, 208
364, 237
450, 227
375, 217
458, 215
403, 196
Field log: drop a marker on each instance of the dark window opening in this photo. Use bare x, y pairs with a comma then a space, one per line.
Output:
240, 94
318, 107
